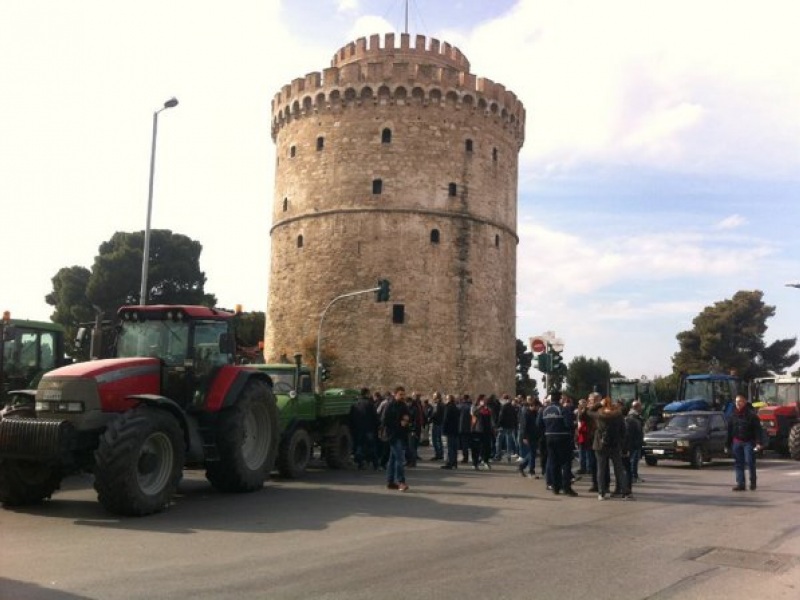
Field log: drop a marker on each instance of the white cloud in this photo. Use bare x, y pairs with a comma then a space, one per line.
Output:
709, 87
731, 222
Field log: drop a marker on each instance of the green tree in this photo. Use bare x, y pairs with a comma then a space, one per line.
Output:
114, 280
250, 328
667, 387
72, 307
586, 375
732, 333
526, 386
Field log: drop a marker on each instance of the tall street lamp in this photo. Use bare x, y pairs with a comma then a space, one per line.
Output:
172, 102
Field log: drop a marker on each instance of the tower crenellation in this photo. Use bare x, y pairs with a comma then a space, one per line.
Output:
364, 73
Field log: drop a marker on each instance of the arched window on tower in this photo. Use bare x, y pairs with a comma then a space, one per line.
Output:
452, 189
320, 143
386, 136
434, 236
285, 204
494, 154
496, 241
468, 146
292, 151
377, 186
300, 241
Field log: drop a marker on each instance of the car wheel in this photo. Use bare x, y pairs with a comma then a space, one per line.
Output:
650, 461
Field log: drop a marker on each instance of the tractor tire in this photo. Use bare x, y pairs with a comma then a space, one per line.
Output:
247, 441
794, 442
339, 447
139, 462
697, 457
25, 482
295, 454
650, 461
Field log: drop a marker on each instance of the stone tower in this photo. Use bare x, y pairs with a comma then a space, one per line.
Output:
398, 163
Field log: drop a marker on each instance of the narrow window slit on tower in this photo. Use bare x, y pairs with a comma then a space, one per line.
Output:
386, 136
300, 241
452, 189
434, 236
398, 314
377, 186
320, 143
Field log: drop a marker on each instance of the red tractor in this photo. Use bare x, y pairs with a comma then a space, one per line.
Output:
171, 398
779, 401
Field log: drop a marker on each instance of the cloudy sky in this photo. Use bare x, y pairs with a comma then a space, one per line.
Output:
659, 173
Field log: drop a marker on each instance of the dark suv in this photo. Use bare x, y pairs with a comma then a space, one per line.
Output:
694, 436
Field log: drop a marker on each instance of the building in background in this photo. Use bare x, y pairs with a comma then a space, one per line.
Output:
398, 163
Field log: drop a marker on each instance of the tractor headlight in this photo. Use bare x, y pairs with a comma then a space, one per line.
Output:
71, 406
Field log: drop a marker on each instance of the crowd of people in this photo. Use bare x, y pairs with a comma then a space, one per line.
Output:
606, 437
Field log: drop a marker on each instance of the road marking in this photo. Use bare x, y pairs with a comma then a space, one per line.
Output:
793, 473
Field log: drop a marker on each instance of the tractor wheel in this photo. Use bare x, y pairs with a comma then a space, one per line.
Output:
139, 462
247, 441
339, 447
295, 454
24, 482
794, 442
697, 457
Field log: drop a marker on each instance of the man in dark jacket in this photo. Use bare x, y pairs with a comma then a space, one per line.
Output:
744, 440
397, 421
465, 426
557, 423
634, 428
436, 420
450, 431
364, 427
506, 429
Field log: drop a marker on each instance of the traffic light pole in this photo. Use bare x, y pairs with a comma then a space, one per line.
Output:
317, 386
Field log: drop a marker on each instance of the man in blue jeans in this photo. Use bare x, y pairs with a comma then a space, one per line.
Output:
397, 420
744, 439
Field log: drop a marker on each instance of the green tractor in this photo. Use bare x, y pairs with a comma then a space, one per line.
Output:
308, 420
628, 390
29, 349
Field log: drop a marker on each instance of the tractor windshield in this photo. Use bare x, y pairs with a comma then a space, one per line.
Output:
166, 340
787, 394
623, 390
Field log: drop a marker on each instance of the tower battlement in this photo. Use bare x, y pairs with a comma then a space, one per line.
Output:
432, 74
424, 50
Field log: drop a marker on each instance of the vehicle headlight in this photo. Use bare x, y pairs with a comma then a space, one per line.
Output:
71, 406
682, 443
770, 423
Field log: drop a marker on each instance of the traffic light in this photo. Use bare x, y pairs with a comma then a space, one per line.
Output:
557, 362
382, 293
324, 373
544, 363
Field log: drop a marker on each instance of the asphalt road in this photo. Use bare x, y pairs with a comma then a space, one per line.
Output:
455, 534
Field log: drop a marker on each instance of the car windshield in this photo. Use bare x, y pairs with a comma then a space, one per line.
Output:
688, 422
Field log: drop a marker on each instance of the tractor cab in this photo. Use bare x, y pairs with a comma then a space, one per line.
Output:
191, 342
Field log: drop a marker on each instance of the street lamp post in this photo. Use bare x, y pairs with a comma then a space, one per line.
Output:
172, 102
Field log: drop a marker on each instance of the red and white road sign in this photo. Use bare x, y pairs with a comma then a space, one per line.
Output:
538, 345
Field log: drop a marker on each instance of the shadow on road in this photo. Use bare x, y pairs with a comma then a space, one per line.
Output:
22, 590
280, 506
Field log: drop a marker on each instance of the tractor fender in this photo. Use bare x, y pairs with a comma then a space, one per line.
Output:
229, 383
191, 434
